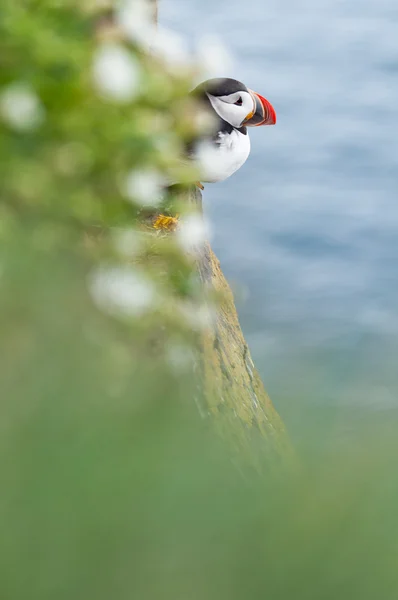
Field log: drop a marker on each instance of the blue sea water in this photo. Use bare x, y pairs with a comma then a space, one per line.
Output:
307, 230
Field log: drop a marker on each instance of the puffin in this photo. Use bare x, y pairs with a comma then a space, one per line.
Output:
234, 107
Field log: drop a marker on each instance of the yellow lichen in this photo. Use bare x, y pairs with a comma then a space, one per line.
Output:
166, 223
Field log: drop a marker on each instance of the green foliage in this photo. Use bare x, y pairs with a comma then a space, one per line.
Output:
113, 485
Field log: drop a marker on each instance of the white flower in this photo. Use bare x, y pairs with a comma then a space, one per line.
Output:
144, 187
21, 108
136, 19
213, 56
193, 232
171, 48
180, 356
198, 316
204, 120
116, 73
209, 161
121, 291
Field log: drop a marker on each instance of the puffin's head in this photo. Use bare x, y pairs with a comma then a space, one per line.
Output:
236, 104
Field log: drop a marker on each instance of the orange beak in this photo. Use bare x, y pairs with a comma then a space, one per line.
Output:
263, 113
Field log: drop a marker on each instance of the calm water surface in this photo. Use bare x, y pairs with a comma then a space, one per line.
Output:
308, 228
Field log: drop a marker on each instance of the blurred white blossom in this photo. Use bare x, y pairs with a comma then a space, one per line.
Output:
121, 291
180, 356
135, 18
213, 57
21, 108
116, 73
205, 121
198, 316
193, 232
144, 186
171, 48
208, 160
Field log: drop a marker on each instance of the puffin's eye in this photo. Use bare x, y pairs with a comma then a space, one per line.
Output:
238, 102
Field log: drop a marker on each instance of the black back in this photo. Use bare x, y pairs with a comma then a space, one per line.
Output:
220, 86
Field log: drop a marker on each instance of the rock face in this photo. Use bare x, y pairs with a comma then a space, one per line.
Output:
234, 393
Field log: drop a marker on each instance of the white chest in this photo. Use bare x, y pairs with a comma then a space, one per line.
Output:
219, 161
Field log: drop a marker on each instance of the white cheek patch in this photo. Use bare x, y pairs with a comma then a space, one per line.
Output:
230, 112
